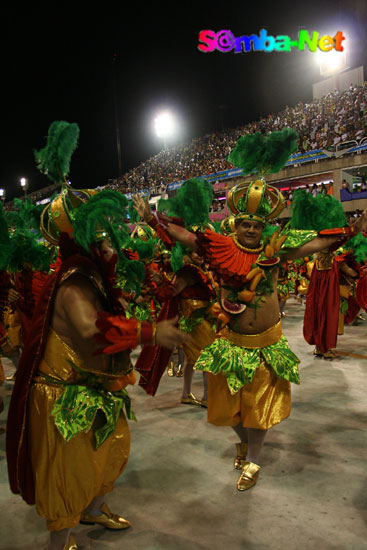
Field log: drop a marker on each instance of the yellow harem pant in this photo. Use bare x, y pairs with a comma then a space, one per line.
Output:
264, 402
68, 475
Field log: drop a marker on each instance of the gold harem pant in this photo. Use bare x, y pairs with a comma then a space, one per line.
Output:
68, 475
201, 336
249, 378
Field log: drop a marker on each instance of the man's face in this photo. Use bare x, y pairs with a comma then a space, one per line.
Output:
249, 233
166, 259
106, 250
197, 260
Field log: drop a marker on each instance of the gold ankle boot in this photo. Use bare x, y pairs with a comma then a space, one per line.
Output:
241, 455
107, 519
170, 370
248, 477
71, 544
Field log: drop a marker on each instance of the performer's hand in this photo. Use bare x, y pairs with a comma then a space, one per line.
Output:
361, 223
168, 336
142, 207
156, 276
13, 296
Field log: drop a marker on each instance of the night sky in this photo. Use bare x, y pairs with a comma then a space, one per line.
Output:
58, 64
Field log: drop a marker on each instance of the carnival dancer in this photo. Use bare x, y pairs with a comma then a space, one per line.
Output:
322, 313
352, 268
190, 293
67, 435
250, 364
192, 283
25, 262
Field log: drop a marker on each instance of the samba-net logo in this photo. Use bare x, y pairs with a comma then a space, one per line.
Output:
225, 41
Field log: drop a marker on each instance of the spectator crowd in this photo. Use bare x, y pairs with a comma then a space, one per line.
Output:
324, 123
336, 118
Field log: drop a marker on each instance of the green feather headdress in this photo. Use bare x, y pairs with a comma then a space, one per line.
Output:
102, 217
191, 204
20, 239
145, 249
260, 153
317, 213
358, 245
54, 159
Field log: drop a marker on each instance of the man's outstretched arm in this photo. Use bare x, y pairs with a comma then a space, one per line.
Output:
175, 232
324, 243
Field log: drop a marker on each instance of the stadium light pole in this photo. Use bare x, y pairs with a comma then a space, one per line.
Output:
24, 185
164, 125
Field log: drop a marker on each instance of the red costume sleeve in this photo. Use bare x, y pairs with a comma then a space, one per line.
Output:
119, 334
159, 223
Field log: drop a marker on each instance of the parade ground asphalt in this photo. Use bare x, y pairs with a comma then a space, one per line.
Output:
179, 487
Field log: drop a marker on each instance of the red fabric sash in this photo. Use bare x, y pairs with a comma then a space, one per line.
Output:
320, 326
153, 360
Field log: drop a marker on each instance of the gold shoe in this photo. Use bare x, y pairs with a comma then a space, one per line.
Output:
170, 369
248, 478
71, 544
241, 455
190, 400
107, 519
11, 377
179, 371
317, 353
330, 354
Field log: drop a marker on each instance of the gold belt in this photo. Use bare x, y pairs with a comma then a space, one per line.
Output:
251, 341
188, 305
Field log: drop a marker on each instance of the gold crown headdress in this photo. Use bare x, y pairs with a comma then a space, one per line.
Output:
143, 232
257, 200
57, 216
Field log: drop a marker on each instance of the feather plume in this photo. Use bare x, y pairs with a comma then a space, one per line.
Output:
317, 213
191, 203
259, 153
54, 159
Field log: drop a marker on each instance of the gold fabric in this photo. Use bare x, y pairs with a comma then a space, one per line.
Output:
68, 475
13, 327
267, 338
202, 335
264, 402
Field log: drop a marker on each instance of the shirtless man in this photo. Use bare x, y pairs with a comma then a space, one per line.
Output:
250, 363
73, 464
